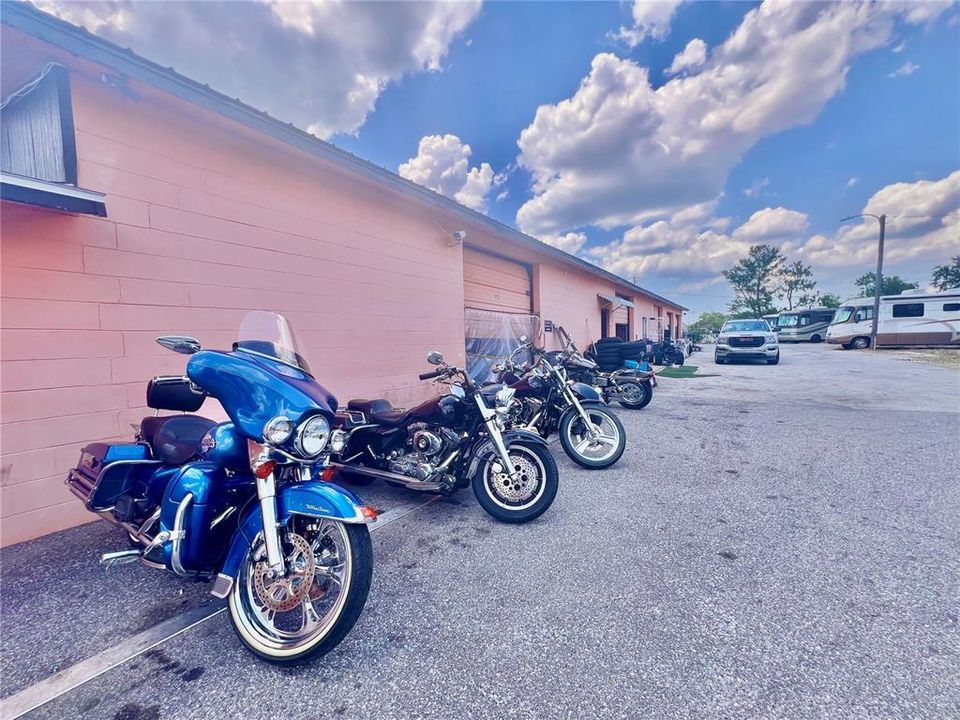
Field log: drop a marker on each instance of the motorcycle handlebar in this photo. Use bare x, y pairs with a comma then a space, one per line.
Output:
432, 374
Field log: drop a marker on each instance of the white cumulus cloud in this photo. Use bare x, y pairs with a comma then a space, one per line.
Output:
619, 151
651, 19
908, 68
570, 242
692, 56
923, 223
320, 65
442, 163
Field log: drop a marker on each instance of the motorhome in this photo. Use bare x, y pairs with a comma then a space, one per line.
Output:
804, 324
912, 319
771, 320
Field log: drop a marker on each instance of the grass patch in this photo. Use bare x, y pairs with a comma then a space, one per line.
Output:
686, 371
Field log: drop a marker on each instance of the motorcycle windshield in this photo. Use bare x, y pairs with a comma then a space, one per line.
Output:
269, 334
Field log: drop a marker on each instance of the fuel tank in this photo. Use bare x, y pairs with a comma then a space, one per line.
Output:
446, 410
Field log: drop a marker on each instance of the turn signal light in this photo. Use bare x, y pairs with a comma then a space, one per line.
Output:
369, 512
264, 469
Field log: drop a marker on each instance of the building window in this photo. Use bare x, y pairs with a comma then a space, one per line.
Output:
908, 310
951, 307
36, 135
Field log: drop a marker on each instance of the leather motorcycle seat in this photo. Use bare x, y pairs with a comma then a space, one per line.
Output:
175, 439
379, 410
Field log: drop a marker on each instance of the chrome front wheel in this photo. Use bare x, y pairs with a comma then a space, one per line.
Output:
596, 445
308, 611
523, 492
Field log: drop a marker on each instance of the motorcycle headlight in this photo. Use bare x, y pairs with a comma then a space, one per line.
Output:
505, 396
312, 436
278, 430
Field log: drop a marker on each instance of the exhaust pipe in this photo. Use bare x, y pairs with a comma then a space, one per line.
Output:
405, 480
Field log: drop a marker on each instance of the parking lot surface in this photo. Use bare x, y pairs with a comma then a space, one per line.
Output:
777, 541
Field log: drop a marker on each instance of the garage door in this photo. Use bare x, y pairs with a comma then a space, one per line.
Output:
493, 283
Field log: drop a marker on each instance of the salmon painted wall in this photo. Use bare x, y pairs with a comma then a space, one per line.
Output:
203, 225
208, 220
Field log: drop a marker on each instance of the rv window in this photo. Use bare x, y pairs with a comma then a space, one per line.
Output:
843, 314
865, 313
951, 307
908, 310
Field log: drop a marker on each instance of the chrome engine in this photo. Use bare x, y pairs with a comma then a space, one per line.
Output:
525, 412
427, 452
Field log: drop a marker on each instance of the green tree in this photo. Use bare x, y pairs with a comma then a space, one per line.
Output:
754, 280
830, 300
797, 279
947, 276
892, 285
709, 323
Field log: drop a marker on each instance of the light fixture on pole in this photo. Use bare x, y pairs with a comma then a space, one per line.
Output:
878, 288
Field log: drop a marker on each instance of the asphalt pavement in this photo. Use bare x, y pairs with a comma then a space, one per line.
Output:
776, 542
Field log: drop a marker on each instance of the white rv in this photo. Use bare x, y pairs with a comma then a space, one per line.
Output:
912, 319
804, 324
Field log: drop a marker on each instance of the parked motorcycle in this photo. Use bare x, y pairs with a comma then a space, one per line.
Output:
547, 401
447, 443
237, 502
631, 387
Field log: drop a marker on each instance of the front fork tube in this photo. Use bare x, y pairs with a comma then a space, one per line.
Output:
267, 493
490, 418
572, 399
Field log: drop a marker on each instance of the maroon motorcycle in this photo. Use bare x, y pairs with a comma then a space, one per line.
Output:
447, 443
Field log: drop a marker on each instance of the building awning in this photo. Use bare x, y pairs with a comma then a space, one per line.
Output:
615, 300
55, 196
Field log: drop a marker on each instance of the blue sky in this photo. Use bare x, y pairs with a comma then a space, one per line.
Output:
659, 140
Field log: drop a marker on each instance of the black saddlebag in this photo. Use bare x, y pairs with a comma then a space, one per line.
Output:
108, 470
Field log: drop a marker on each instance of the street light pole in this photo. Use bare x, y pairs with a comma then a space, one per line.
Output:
878, 287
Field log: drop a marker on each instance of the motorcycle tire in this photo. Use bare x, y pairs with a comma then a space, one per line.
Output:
280, 650
502, 501
569, 425
646, 396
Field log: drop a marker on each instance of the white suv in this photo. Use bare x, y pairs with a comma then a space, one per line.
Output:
746, 340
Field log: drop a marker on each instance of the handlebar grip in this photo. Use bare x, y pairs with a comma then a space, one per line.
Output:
432, 374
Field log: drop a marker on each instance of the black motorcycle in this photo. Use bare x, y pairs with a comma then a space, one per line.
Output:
448, 442
631, 387
548, 401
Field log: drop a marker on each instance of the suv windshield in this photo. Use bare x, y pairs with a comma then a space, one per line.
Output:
745, 326
269, 334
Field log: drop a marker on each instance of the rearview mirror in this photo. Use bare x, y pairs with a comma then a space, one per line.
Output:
183, 344
435, 358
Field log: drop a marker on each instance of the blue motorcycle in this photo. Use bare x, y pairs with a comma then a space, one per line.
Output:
240, 503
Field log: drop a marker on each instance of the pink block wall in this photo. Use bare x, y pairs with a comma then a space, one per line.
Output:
203, 225
207, 220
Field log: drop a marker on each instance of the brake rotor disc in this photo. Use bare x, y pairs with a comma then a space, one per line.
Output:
518, 488
282, 594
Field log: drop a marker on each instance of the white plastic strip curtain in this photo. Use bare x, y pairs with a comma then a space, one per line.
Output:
31, 133
492, 336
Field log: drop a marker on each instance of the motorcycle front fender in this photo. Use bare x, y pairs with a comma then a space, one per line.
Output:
585, 393
311, 499
486, 448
